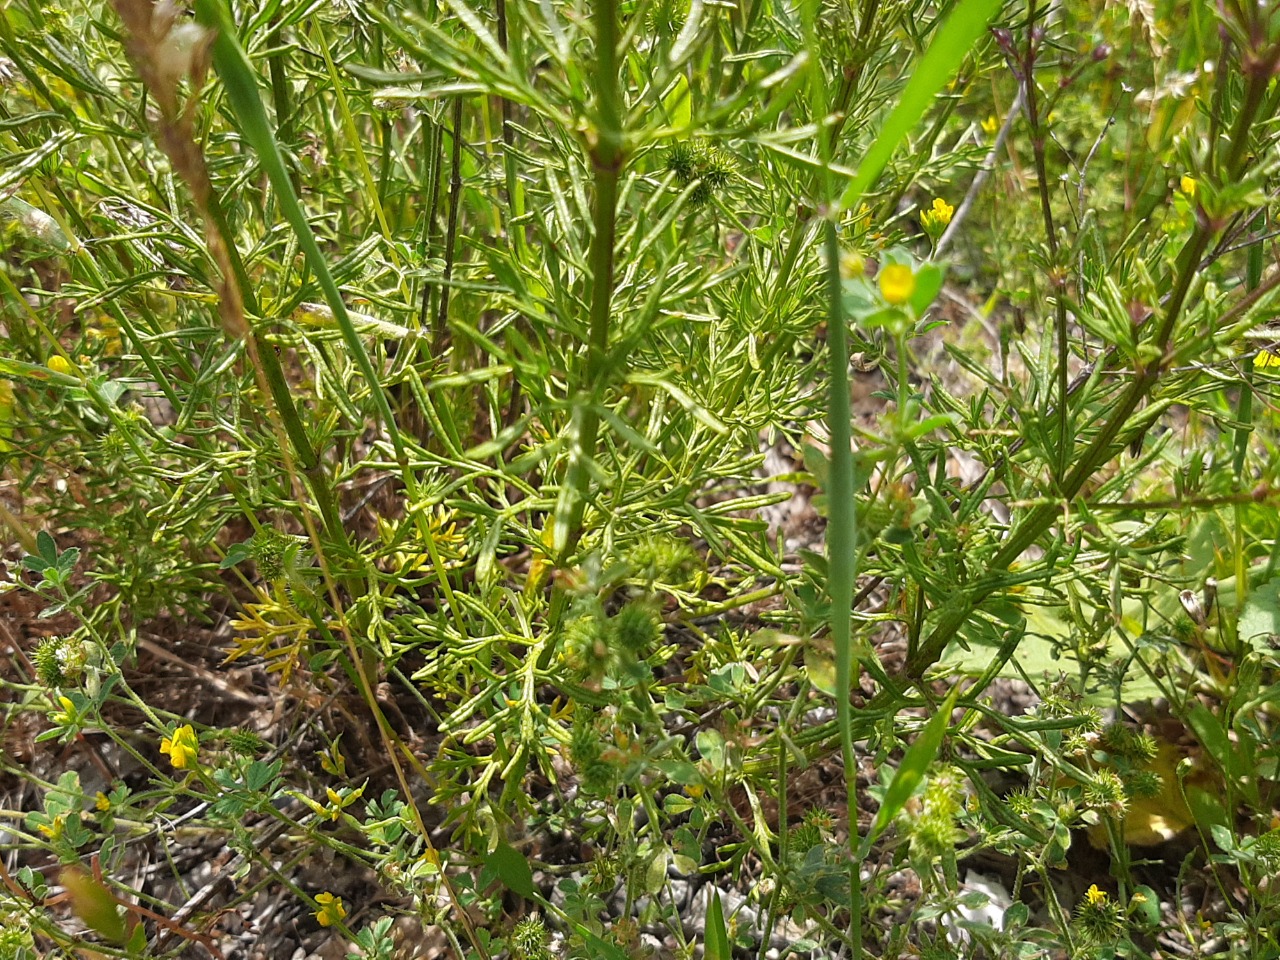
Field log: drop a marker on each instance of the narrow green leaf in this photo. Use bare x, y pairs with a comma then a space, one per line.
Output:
601, 948
1212, 736
481, 33
717, 937
699, 412
21, 170
241, 85
954, 38
910, 773
677, 104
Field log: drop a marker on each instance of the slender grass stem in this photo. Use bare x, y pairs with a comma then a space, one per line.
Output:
433, 135
1057, 275
280, 94
842, 558
441, 335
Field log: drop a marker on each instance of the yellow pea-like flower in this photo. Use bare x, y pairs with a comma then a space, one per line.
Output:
935, 219
60, 364
897, 283
331, 909
182, 748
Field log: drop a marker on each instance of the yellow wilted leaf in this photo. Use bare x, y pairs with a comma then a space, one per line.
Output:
94, 904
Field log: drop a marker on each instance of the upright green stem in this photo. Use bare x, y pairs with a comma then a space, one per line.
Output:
441, 334
264, 354
280, 97
607, 156
842, 554
852, 71
508, 132
433, 137
1244, 417
1057, 276
515, 199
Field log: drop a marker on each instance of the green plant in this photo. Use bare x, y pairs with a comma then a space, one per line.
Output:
425, 354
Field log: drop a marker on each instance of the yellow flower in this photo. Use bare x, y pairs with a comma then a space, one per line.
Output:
60, 364
935, 219
337, 801
331, 909
1187, 185
1095, 897
1266, 358
55, 828
102, 801
897, 283
66, 714
332, 761
991, 125
182, 747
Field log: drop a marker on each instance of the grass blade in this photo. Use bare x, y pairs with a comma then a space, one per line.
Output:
717, 942
241, 85
954, 38
910, 773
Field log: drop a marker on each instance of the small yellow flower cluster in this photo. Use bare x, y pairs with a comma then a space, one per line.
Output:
935, 219
1099, 917
338, 802
331, 909
332, 761
1185, 198
182, 748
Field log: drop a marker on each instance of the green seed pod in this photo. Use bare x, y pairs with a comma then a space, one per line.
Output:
269, 549
530, 939
59, 661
